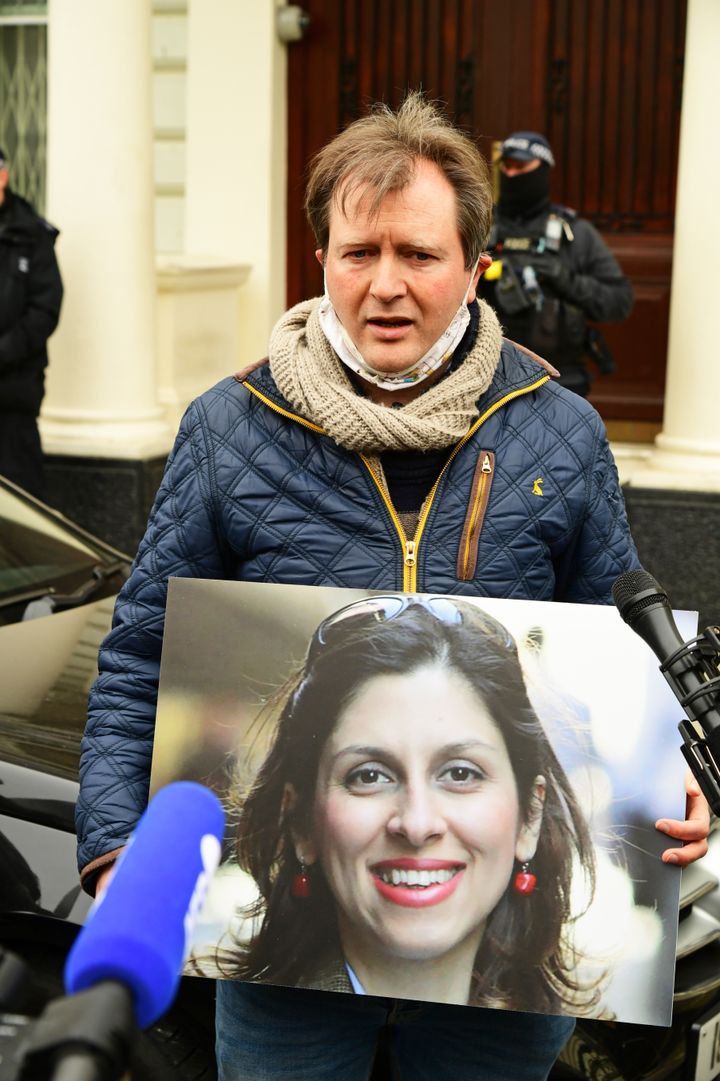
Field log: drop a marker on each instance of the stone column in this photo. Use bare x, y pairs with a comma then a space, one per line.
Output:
101, 397
687, 452
236, 154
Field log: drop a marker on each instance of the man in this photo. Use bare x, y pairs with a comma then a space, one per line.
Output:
552, 271
30, 297
393, 441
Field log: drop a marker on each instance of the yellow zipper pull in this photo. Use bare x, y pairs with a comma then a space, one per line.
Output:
486, 466
409, 553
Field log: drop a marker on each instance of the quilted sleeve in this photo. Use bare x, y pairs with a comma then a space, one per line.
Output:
602, 547
182, 539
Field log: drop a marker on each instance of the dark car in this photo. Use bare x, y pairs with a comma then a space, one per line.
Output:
57, 591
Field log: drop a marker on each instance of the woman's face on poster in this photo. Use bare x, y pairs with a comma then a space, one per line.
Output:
416, 818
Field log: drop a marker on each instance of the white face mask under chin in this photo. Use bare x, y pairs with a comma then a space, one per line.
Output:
436, 356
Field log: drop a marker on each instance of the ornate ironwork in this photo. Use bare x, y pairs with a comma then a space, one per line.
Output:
23, 9
23, 106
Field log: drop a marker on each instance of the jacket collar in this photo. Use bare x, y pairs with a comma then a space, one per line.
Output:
518, 370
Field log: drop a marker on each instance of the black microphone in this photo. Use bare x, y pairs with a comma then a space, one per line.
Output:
691, 669
86, 1037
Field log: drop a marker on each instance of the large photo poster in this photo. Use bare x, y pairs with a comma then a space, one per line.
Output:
446, 799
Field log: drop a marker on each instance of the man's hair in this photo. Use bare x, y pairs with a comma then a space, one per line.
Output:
378, 154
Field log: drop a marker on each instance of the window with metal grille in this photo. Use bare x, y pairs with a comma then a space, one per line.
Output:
23, 95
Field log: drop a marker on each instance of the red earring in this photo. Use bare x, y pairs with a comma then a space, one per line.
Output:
525, 881
301, 885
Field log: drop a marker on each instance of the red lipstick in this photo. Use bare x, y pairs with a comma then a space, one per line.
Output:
416, 883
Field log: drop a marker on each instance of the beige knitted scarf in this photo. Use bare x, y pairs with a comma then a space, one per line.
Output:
312, 378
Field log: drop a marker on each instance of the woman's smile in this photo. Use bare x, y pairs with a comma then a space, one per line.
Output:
416, 883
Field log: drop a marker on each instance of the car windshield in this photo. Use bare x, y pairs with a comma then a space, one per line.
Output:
37, 550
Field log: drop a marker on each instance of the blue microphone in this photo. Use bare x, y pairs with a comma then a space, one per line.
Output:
138, 932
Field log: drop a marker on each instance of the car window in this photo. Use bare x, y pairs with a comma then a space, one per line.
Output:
35, 550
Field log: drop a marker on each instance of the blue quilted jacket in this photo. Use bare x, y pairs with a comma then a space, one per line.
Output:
528, 505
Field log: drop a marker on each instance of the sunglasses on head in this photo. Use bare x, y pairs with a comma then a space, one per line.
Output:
383, 609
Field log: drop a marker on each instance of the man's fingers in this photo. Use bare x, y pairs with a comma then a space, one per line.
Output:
693, 831
681, 857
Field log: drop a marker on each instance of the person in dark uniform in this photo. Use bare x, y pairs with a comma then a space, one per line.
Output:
553, 276
31, 293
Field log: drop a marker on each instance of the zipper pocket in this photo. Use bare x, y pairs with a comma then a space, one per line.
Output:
479, 497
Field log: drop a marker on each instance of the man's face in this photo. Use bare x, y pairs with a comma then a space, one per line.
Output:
514, 166
4, 177
397, 278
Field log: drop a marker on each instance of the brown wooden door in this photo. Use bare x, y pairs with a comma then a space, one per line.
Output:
602, 78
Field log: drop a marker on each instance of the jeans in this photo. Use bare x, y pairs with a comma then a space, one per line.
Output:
280, 1034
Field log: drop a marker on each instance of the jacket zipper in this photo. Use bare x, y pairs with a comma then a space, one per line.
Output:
455, 451
409, 547
480, 495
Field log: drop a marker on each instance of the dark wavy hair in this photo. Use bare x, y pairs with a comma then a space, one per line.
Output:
524, 961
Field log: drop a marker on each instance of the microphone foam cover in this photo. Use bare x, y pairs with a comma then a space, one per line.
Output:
627, 588
138, 931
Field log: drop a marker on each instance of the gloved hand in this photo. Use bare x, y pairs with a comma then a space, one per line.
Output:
553, 272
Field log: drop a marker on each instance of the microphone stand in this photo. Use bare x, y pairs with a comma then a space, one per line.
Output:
88, 1036
700, 733
78, 1067
691, 668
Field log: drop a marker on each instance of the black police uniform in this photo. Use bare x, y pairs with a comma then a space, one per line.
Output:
556, 273
31, 293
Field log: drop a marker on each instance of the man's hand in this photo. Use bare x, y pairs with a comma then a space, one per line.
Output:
103, 880
693, 831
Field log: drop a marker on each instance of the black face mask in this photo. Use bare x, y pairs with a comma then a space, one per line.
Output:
526, 194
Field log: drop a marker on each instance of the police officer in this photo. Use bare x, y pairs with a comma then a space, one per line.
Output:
30, 297
552, 271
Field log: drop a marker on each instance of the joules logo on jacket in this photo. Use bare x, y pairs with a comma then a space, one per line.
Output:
23, 264
537, 486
